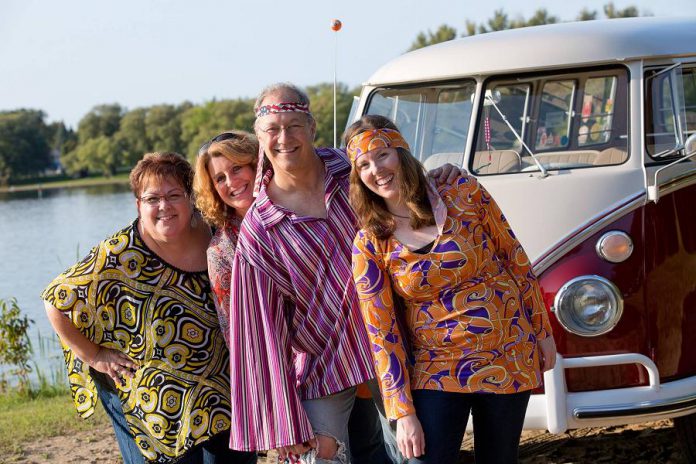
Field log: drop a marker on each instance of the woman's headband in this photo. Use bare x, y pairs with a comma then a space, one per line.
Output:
370, 140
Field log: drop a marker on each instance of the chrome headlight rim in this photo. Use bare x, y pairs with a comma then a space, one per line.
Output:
567, 321
599, 246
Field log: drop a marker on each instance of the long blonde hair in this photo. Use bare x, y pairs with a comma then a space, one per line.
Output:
240, 147
370, 208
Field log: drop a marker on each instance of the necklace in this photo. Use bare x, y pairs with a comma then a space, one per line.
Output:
399, 216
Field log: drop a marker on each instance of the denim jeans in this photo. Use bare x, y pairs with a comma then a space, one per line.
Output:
130, 453
365, 431
394, 456
329, 417
498, 421
214, 451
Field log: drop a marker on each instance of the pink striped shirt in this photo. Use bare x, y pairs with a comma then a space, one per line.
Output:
292, 289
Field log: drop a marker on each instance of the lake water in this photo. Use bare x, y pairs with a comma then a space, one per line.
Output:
43, 234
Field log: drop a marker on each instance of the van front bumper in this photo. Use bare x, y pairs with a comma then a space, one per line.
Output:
559, 410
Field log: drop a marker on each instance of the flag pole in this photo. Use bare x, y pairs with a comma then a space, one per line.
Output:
335, 26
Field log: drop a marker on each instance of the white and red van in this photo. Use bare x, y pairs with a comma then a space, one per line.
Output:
585, 134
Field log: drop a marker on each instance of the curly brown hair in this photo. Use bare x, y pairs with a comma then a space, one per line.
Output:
242, 148
373, 214
160, 165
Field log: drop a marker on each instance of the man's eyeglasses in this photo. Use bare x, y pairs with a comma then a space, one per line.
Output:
292, 130
155, 200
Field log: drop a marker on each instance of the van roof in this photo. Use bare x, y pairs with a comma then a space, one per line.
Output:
548, 46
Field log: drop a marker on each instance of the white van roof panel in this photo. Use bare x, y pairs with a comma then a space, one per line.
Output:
549, 46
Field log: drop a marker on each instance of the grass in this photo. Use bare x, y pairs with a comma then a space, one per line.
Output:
62, 182
45, 413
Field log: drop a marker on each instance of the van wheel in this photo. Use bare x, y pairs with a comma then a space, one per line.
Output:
685, 427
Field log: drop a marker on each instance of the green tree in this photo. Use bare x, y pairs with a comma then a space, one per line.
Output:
132, 137
100, 154
501, 21
629, 12
15, 346
102, 120
24, 148
200, 123
587, 15
321, 96
541, 16
442, 34
163, 129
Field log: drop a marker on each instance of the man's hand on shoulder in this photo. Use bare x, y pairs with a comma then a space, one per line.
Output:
446, 174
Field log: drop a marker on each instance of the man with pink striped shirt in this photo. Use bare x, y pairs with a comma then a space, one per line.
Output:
298, 344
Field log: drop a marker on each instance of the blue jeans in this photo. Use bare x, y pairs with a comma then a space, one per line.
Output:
365, 431
394, 456
126, 443
329, 417
214, 451
498, 421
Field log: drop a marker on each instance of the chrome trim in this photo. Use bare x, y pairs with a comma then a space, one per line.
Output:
677, 183
644, 408
600, 243
586, 230
613, 321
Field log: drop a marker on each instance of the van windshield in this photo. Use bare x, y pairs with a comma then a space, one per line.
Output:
433, 119
565, 120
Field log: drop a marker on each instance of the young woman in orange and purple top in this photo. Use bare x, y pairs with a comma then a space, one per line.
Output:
474, 335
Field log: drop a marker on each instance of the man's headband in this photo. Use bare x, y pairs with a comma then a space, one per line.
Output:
369, 140
283, 107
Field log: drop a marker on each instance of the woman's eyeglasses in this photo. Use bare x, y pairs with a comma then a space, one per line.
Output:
154, 201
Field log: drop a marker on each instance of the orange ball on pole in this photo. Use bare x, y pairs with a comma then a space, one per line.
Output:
336, 25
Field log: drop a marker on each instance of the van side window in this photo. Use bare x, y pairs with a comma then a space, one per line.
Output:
666, 101
597, 111
434, 119
554, 114
566, 121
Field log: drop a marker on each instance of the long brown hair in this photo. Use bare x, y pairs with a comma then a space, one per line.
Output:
241, 148
370, 208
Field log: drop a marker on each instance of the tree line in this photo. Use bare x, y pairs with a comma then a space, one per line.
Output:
502, 21
111, 138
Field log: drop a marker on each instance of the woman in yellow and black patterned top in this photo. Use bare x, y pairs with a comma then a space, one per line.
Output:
474, 335
137, 320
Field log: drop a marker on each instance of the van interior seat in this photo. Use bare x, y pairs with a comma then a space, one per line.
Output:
569, 158
438, 159
611, 155
496, 161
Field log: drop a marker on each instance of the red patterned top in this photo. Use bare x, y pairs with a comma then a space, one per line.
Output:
474, 310
220, 257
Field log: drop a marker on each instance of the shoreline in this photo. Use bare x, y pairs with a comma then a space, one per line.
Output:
39, 187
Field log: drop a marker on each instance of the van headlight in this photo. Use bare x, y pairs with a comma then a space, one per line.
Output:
588, 305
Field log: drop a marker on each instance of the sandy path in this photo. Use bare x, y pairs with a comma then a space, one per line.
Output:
650, 443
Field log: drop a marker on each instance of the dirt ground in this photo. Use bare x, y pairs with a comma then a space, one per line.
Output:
649, 443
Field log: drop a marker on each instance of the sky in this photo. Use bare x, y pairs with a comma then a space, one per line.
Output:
65, 57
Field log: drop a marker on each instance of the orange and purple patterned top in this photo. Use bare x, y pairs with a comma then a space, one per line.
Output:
473, 307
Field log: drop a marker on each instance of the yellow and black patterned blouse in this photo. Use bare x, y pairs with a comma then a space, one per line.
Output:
123, 296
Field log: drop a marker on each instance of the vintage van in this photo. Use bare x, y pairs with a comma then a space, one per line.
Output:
585, 133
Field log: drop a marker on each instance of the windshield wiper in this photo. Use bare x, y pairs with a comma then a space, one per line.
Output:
544, 172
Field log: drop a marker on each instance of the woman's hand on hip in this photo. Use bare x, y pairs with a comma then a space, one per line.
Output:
114, 364
548, 353
409, 436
